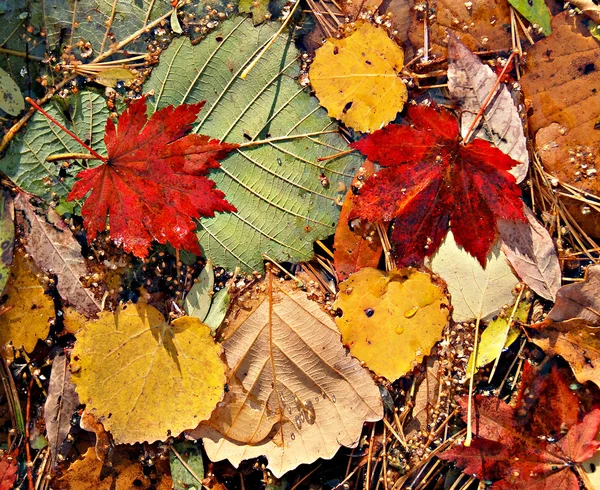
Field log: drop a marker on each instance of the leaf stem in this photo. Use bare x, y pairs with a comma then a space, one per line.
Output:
70, 133
249, 68
285, 138
488, 98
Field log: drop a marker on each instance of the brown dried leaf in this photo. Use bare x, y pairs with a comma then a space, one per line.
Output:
561, 82
426, 397
60, 405
577, 342
470, 82
484, 25
124, 472
579, 300
52, 246
530, 250
294, 392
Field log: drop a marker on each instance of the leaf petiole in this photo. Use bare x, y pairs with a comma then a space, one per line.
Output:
70, 133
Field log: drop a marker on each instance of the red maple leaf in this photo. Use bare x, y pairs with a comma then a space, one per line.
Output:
431, 181
153, 184
524, 447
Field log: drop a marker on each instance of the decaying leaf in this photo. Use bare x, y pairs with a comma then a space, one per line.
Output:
357, 78
534, 445
104, 444
531, 252
481, 25
470, 82
426, 396
123, 472
54, 249
60, 405
146, 380
576, 341
9, 466
31, 309
359, 246
391, 320
475, 292
560, 82
7, 236
294, 395
579, 300
572, 328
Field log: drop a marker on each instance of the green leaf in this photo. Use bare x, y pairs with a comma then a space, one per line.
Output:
258, 8
183, 479
16, 16
536, 12
198, 299
218, 309
25, 161
11, 99
282, 205
7, 237
93, 22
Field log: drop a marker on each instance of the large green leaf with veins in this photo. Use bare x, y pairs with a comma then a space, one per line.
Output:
25, 162
276, 186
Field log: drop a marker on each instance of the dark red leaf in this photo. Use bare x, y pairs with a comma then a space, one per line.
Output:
8, 470
510, 449
153, 184
431, 181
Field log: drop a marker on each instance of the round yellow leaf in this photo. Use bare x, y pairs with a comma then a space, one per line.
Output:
27, 320
391, 320
144, 379
357, 78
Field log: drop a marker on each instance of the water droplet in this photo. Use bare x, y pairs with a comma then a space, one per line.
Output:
298, 422
293, 436
309, 412
585, 210
411, 312
333, 398
289, 410
369, 312
399, 330
418, 353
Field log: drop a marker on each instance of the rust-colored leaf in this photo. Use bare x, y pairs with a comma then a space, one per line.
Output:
356, 245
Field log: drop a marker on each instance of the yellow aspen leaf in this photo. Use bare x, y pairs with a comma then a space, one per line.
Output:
391, 320
144, 379
295, 395
30, 309
357, 78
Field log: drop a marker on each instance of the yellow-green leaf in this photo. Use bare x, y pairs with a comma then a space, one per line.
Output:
357, 78
498, 336
11, 99
144, 379
391, 320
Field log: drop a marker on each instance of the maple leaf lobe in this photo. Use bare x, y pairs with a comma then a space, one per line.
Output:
153, 184
430, 182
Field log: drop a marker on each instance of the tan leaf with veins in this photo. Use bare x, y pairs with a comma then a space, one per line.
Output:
295, 395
